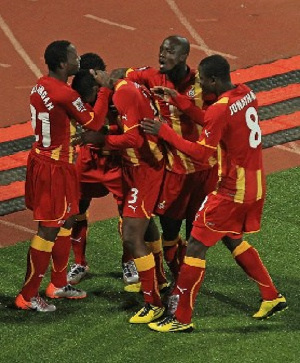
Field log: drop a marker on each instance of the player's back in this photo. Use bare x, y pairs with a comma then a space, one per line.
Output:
134, 103
240, 156
51, 123
242, 138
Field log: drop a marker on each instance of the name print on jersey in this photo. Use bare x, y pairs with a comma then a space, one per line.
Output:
240, 104
40, 90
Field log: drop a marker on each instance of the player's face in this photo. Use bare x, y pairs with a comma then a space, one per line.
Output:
170, 54
206, 83
73, 60
91, 98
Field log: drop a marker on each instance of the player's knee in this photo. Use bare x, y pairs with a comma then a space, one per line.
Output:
196, 249
231, 243
170, 227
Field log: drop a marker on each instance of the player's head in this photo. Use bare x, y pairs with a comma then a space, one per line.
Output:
92, 61
85, 84
173, 52
62, 55
214, 73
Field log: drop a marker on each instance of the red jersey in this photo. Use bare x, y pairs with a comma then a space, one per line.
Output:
134, 103
55, 109
180, 122
231, 126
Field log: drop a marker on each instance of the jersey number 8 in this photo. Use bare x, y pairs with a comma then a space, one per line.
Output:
255, 131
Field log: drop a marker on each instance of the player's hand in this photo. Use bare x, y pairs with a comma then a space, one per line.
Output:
151, 126
76, 140
102, 78
96, 138
164, 92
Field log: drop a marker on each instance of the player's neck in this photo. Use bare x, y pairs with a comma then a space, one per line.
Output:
59, 75
177, 74
225, 87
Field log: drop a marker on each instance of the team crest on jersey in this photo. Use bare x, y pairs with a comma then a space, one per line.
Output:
79, 105
161, 205
191, 92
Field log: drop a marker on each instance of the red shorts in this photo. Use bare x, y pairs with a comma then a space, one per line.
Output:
182, 194
99, 175
219, 217
51, 190
141, 188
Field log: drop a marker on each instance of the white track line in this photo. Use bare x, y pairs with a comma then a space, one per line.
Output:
3, 65
201, 45
19, 49
17, 226
105, 21
292, 148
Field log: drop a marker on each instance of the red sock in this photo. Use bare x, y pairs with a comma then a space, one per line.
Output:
79, 239
146, 268
170, 255
38, 259
248, 258
60, 258
189, 281
156, 248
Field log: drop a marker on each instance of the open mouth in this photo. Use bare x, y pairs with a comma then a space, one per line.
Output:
162, 63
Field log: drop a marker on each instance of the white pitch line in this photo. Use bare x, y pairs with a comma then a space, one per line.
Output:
105, 21
17, 226
200, 42
211, 51
294, 148
3, 65
19, 49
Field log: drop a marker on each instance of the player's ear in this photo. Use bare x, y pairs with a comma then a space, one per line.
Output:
183, 57
62, 65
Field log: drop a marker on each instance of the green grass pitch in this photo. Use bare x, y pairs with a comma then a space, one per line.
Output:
96, 329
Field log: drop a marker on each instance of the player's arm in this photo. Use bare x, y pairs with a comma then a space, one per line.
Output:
140, 75
182, 102
89, 117
126, 103
200, 150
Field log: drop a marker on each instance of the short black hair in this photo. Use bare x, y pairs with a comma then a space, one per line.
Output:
56, 53
83, 82
92, 61
215, 66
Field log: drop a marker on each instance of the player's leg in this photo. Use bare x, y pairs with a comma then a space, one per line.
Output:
38, 259
247, 257
182, 300
58, 286
154, 243
112, 180
171, 207
133, 237
79, 240
171, 240
130, 273
183, 297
